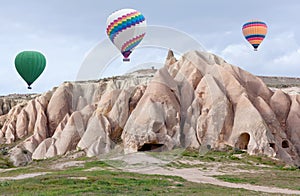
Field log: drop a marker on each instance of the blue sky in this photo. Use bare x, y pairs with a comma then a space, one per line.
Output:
65, 31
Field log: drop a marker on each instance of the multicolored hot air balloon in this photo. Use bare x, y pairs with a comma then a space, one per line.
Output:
30, 65
255, 32
126, 28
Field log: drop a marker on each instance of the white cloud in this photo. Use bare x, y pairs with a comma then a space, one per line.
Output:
279, 54
66, 30
292, 58
234, 52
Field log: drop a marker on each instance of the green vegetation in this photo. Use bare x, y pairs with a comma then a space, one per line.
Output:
274, 178
96, 163
269, 172
179, 165
213, 156
78, 181
235, 179
100, 177
5, 163
230, 155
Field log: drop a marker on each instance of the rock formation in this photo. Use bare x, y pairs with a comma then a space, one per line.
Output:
9, 101
199, 100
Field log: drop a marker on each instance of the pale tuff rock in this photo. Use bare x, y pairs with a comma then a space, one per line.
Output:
43, 149
9, 128
6, 105
9, 101
20, 156
215, 120
293, 123
68, 138
118, 114
254, 127
59, 106
248, 122
55, 122
280, 103
197, 101
96, 139
170, 60
156, 118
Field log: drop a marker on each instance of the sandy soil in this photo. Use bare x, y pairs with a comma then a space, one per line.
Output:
23, 176
67, 164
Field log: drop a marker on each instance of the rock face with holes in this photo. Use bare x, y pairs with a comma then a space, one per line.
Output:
225, 105
197, 101
156, 117
77, 115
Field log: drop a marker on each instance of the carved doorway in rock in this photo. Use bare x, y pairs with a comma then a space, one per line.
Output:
151, 147
243, 141
285, 144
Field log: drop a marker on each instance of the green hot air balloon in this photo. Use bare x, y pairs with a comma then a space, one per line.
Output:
30, 65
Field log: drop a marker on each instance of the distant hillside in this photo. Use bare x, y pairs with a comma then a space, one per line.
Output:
9, 101
280, 82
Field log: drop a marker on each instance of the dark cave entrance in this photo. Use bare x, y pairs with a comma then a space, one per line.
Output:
272, 145
243, 141
285, 144
150, 147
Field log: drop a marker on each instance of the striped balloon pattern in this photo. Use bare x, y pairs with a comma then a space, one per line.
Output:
126, 28
255, 31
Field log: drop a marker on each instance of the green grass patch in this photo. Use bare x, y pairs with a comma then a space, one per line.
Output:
78, 181
213, 155
234, 179
232, 155
5, 163
180, 165
105, 182
22, 170
275, 178
96, 163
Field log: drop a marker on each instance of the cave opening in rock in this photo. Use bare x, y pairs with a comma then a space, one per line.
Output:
272, 145
150, 147
285, 144
243, 141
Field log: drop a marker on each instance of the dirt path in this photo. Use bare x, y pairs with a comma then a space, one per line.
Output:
195, 175
23, 176
145, 164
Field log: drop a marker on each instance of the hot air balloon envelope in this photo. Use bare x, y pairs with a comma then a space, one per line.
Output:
126, 28
255, 32
30, 65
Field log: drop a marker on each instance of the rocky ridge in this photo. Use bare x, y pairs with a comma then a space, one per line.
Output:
9, 101
197, 101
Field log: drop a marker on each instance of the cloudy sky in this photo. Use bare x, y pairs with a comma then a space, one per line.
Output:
66, 31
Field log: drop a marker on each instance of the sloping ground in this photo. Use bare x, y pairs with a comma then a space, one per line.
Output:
190, 174
202, 170
194, 175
